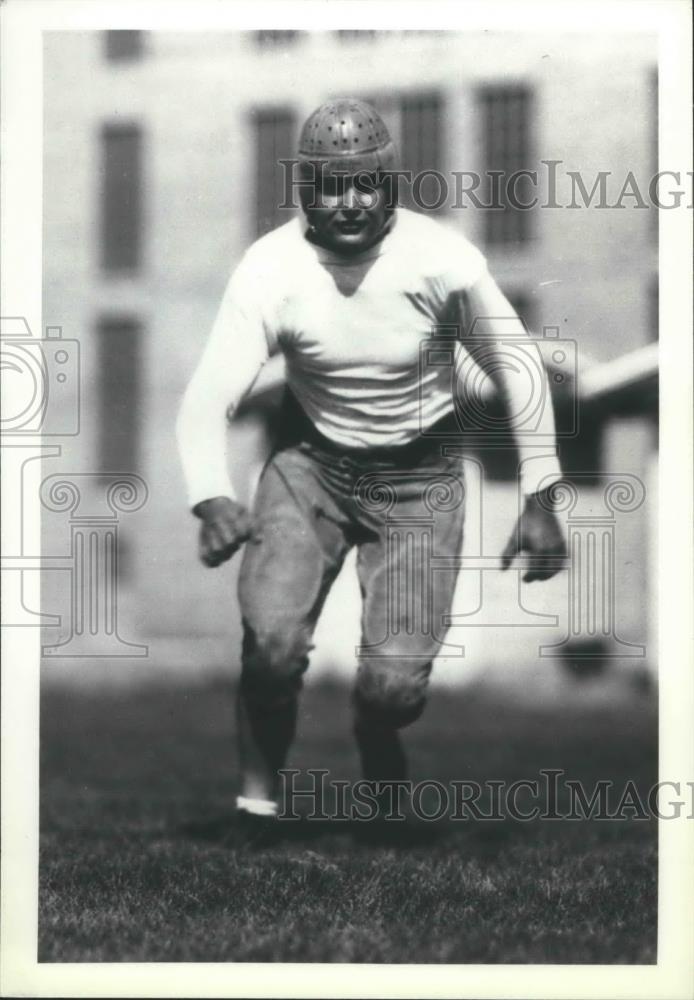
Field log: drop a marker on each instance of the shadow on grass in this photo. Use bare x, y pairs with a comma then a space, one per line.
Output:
224, 831
481, 839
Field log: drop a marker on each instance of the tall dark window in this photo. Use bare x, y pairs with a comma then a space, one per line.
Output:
123, 46
119, 347
414, 121
506, 114
272, 39
121, 208
356, 35
422, 150
274, 141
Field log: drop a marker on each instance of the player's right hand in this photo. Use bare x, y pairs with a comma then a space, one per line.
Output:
226, 525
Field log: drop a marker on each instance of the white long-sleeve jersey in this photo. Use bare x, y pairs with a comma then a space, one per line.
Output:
354, 333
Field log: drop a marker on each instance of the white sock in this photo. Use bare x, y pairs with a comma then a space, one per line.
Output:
258, 807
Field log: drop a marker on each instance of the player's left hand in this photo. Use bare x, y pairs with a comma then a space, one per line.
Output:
539, 533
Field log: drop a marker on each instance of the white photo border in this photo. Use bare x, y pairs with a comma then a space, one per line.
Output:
22, 124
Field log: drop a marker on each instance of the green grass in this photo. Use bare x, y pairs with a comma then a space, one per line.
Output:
137, 790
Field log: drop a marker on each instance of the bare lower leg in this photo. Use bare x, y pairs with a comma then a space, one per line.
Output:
264, 741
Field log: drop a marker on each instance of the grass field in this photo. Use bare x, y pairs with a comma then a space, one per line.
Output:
137, 790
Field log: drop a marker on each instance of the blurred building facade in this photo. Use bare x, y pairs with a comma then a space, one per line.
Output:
160, 167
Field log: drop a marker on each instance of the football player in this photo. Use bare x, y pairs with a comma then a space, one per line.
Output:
347, 292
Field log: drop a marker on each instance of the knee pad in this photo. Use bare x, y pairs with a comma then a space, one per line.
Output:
273, 660
387, 695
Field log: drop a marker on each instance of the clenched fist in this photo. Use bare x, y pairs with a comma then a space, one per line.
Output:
226, 525
539, 533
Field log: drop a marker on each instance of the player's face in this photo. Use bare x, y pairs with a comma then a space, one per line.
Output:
347, 214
